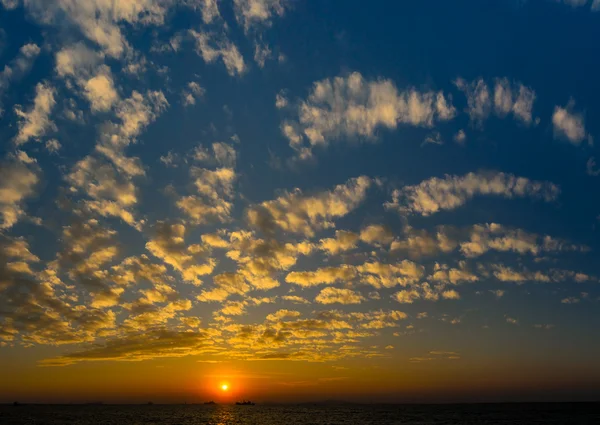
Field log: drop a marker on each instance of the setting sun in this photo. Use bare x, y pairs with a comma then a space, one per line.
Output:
224, 387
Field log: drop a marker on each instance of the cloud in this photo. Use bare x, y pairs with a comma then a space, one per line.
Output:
261, 260
505, 98
294, 212
517, 99
99, 21
283, 314
338, 296
210, 10
576, 3
169, 245
460, 137
88, 248
192, 92
343, 241
10, 4
17, 68
295, 299
256, 13
476, 240
53, 146
436, 356
425, 291
212, 47
226, 284
570, 300
407, 296
18, 181
453, 276
214, 187
376, 234
591, 168
36, 121
281, 101
157, 343
494, 236
479, 99
111, 193
435, 195
568, 124
384, 275
326, 275
351, 107
262, 52
106, 175
101, 93
507, 274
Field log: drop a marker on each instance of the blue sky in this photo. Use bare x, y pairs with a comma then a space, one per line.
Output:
318, 181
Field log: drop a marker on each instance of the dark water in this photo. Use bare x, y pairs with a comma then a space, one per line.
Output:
561, 413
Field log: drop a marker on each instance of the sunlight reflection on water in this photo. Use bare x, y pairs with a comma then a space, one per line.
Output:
514, 414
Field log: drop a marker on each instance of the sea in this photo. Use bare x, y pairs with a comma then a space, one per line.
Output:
448, 414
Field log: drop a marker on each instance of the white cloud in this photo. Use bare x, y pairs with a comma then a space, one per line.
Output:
36, 121
350, 107
339, 296
568, 124
297, 213
451, 192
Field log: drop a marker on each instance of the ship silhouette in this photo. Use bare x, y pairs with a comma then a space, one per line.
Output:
209, 402
244, 403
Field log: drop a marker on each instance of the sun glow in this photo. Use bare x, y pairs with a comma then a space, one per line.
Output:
224, 387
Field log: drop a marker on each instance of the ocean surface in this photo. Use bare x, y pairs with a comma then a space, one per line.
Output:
558, 413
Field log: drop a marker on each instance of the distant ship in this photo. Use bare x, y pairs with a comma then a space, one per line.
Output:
209, 402
244, 403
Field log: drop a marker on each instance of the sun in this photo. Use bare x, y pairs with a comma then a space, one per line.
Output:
224, 387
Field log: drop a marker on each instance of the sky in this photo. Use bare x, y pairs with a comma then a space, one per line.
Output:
301, 199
